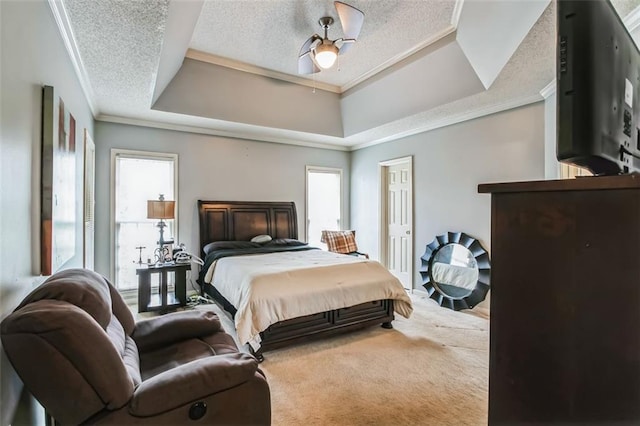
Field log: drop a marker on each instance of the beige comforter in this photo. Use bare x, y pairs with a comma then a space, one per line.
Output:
268, 288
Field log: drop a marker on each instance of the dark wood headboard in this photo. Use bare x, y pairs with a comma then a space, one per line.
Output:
243, 220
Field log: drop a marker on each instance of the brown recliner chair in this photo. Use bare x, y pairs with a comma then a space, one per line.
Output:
79, 351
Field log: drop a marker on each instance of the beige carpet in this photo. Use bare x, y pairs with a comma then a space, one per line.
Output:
431, 369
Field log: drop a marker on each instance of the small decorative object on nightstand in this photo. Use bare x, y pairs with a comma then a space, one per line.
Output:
164, 300
139, 248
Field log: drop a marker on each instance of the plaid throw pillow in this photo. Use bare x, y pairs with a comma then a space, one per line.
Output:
340, 241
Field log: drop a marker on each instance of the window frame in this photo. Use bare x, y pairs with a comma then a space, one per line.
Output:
144, 155
322, 169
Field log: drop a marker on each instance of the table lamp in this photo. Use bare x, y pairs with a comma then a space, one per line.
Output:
161, 209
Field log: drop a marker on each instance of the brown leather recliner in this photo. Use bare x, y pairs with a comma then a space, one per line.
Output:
79, 351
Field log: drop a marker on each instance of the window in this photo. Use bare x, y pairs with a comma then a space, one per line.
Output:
139, 176
324, 202
567, 171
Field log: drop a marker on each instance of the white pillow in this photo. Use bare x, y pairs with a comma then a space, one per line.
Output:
261, 239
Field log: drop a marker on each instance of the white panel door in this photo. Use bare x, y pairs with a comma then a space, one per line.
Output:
399, 223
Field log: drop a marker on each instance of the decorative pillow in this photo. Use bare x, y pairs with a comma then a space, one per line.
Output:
261, 239
225, 245
340, 241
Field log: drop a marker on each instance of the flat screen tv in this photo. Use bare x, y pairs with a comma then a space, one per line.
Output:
598, 77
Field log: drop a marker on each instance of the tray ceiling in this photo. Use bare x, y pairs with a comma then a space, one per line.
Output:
130, 56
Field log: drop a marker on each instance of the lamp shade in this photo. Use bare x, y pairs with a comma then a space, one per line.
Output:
160, 209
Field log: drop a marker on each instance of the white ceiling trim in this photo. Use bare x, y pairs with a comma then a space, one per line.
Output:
241, 66
217, 132
632, 20
446, 121
549, 89
455, 119
399, 57
457, 10
253, 69
62, 20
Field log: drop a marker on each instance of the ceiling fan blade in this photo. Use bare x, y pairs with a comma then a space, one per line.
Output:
305, 62
350, 18
307, 44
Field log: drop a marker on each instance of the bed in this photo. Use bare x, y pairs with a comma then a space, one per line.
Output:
234, 221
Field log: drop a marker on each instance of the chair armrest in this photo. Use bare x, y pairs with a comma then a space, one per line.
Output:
191, 381
174, 327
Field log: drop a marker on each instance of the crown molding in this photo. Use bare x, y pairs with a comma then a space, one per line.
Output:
217, 132
455, 119
253, 69
444, 122
549, 89
399, 57
457, 11
66, 32
632, 20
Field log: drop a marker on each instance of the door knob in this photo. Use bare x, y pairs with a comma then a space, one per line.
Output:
408, 232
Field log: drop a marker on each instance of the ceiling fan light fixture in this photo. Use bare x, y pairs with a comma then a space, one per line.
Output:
325, 55
320, 53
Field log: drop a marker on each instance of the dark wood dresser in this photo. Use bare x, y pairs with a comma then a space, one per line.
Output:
565, 301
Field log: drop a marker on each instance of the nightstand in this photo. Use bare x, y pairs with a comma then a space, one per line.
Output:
164, 300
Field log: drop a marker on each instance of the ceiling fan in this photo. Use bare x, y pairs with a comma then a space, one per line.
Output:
318, 53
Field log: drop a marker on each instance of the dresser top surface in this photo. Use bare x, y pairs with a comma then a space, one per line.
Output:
586, 183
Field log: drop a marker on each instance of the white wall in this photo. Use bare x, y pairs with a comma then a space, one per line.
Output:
448, 165
431, 77
551, 164
32, 55
211, 168
261, 101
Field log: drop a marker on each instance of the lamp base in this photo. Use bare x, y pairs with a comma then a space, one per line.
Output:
163, 253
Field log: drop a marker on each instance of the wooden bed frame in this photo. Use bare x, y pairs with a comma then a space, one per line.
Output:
241, 221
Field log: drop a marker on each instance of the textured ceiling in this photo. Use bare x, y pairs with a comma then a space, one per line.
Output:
118, 46
270, 34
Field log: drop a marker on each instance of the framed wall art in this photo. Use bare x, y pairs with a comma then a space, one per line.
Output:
58, 185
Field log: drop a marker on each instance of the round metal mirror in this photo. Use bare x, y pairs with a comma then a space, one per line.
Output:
456, 271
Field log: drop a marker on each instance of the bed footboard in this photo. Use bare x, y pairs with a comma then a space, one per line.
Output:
302, 329
327, 323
